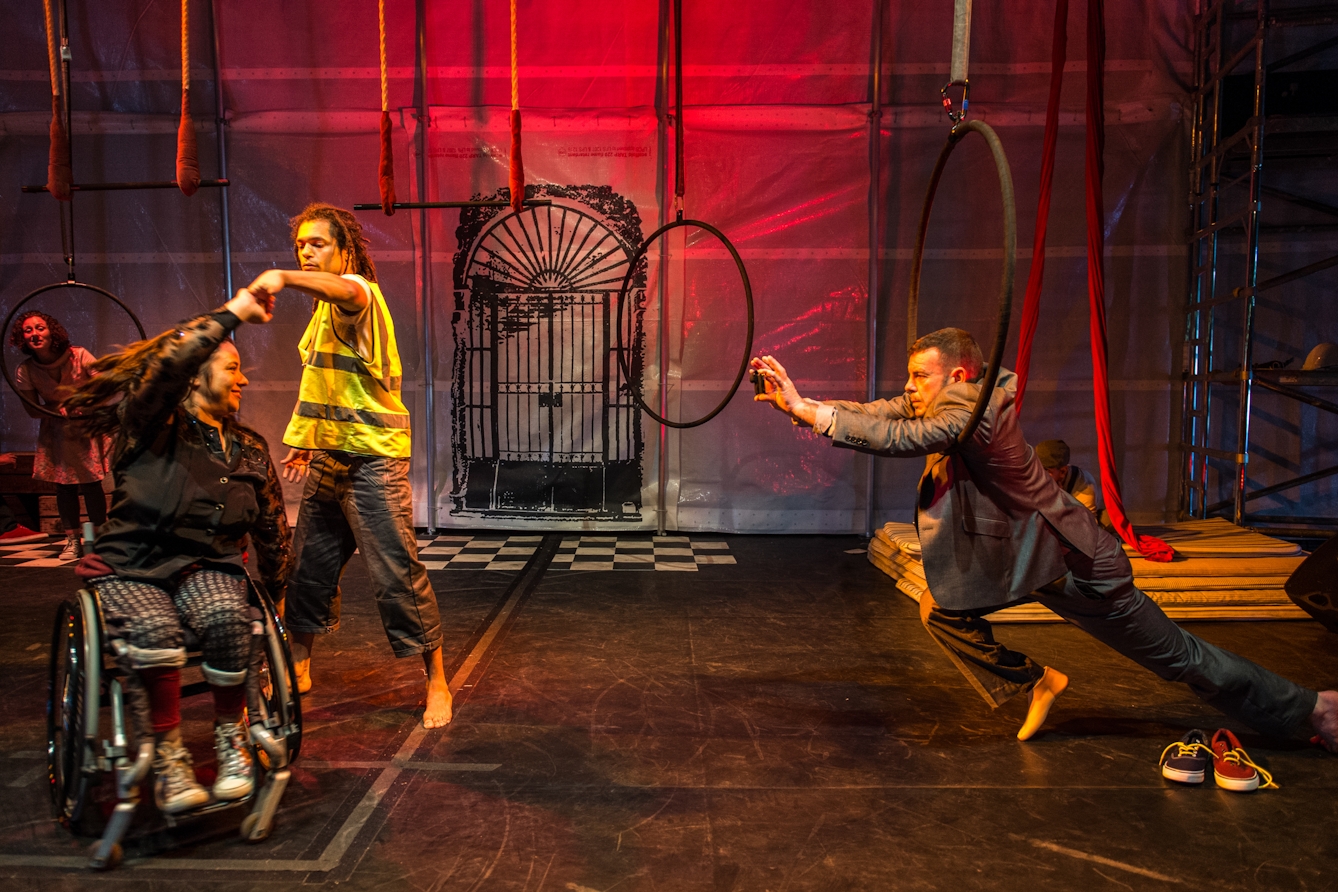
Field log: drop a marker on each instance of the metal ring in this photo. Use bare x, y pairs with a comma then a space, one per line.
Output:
623, 366
9, 320
1010, 261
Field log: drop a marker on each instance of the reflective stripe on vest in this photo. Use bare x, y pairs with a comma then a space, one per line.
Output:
349, 397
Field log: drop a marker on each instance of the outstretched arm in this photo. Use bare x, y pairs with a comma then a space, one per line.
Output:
166, 377
781, 392
347, 294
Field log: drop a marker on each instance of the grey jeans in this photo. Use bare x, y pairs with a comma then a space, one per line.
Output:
364, 502
1098, 595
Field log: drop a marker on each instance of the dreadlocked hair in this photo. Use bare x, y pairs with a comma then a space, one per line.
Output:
95, 401
347, 232
60, 338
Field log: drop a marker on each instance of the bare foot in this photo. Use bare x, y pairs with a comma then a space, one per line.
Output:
437, 713
299, 644
1325, 720
1043, 695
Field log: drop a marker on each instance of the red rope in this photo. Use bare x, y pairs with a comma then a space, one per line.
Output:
188, 162
516, 175
385, 171
1031, 305
1150, 547
58, 176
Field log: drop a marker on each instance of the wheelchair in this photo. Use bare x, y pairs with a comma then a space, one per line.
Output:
90, 694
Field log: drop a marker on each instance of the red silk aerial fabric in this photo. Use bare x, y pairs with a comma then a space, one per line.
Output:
516, 177
1031, 305
1150, 547
386, 170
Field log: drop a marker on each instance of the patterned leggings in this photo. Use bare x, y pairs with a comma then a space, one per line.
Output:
149, 619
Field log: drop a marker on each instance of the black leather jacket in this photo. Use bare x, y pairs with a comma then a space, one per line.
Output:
178, 502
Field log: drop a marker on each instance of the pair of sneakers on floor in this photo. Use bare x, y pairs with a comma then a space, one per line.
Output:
1189, 759
175, 789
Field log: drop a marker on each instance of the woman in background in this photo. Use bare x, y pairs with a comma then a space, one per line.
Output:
66, 456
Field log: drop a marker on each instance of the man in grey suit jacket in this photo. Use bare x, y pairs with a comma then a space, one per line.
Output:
995, 529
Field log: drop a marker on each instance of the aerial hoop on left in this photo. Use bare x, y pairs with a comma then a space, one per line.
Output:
14, 313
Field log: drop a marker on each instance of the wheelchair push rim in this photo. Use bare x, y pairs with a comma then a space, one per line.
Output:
67, 712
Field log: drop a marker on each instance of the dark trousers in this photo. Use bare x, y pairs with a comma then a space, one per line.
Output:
67, 503
363, 502
1098, 595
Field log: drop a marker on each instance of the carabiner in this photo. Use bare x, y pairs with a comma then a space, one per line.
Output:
956, 117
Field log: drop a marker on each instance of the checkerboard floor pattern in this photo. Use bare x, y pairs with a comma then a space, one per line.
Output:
35, 554
584, 552
497, 552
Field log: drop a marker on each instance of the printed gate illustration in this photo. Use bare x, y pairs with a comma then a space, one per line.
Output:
543, 424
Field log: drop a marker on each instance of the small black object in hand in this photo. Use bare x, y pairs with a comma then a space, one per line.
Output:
759, 383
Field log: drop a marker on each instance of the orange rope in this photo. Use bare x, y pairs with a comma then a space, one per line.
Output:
386, 169
185, 46
515, 67
51, 48
58, 175
516, 175
188, 161
381, 24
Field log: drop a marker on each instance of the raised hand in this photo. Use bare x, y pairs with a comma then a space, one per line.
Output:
252, 307
270, 282
296, 465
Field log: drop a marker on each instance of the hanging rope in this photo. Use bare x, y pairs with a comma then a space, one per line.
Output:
1031, 303
516, 178
188, 163
386, 170
58, 176
1150, 547
680, 188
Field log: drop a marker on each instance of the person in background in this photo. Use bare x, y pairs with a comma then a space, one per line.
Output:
1054, 456
66, 456
11, 531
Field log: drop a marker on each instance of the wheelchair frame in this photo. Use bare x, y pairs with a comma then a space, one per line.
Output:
84, 673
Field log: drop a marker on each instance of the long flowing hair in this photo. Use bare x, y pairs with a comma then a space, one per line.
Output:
95, 402
60, 338
347, 232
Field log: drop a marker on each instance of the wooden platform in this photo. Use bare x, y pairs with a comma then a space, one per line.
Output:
1221, 572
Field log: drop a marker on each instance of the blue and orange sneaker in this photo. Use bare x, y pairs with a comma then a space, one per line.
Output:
1186, 761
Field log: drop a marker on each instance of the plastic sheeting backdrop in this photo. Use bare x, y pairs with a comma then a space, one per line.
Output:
531, 425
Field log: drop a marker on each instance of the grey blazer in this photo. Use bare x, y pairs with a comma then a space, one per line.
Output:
993, 525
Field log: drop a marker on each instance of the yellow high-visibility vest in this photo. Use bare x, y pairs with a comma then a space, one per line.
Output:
349, 399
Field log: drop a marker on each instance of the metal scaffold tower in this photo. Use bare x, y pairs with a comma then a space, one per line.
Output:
1262, 157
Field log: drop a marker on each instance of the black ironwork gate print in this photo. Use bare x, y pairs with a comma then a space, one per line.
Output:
544, 427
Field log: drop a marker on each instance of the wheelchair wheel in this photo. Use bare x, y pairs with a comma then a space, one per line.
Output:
274, 699
69, 703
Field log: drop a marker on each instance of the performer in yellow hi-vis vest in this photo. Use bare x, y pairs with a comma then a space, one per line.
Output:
350, 441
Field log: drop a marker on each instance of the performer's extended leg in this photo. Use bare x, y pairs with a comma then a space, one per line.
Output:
1099, 597
966, 636
322, 544
380, 506
997, 673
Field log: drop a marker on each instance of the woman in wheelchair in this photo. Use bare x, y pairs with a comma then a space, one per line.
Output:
193, 489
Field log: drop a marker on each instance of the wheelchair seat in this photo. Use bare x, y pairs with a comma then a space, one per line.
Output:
88, 685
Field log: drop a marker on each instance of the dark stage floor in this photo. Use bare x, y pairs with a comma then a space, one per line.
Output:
778, 723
